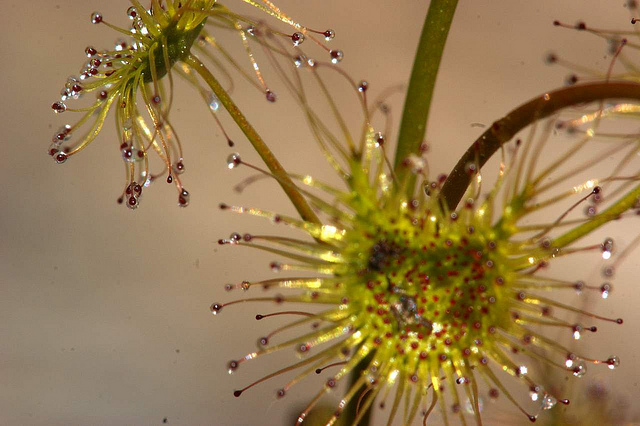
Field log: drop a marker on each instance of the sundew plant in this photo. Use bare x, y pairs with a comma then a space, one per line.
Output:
426, 292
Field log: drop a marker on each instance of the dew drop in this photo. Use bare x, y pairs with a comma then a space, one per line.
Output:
96, 17
58, 107
297, 38
579, 369
235, 238
299, 61
578, 286
521, 371
61, 157
605, 289
232, 366
90, 51
132, 203
469, 408
233, 160
569, 360
329, 35
183, 198
213, 102
276, 266
613, 362
379, 139
178, 167
548, 402
363, 86
271, 97
576, 329
536, 393
336, 56
216, 308
132, 13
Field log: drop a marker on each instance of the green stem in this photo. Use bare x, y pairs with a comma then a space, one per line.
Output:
263, 150
536, 109
613, 212
413, 126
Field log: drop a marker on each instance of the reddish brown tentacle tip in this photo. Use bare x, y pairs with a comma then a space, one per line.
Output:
237, 393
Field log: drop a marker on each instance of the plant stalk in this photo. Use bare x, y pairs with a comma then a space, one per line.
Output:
413, 125
260, 146
536, 109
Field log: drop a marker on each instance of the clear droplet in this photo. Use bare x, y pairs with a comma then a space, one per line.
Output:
59, 107
605, 289
132, 13
234, 160
613, 362
548, 402
271, 97
363, 86
522, 370
299, 61
329, 35
577, 330
607, 248
579, 369
213, 102
90, 51
297, 38
468, 406
336, 56
183, 198
378, 139
276, 266
60, 157
96, 17
536, 393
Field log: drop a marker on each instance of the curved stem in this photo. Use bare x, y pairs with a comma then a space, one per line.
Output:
263, 150
413, 126
536, 109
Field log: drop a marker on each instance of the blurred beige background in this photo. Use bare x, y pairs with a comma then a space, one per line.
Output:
104, 312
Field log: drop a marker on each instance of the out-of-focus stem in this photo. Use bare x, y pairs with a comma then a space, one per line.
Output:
260, 146
536, 109
413, 126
